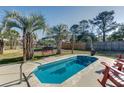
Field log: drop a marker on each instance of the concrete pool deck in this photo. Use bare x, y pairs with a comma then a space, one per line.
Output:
9, 74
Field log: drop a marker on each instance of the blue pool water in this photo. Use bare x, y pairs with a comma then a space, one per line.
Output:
59, 71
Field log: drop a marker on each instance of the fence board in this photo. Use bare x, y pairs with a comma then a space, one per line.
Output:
109, 46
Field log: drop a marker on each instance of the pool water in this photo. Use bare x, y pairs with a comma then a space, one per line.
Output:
59, 71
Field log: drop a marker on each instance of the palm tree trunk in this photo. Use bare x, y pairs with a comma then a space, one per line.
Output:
29, 46
1, 46
11, 44
15, 44
59, 47
24, 45
24, 54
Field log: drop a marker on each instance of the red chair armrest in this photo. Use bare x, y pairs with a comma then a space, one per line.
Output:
116, 71
105, 64
121, 60
121, 63
113, 69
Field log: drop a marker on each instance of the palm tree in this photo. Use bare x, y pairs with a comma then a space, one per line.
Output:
74, 29
59, 33
1, 43
1, 38
12, 37
28, 25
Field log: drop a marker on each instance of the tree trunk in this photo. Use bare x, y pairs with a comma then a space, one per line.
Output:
73, 42
91, 44
11, 44
104, 37
24, 45
1, 46
59, 47
31, 45
24, 54
15, 44
29, 48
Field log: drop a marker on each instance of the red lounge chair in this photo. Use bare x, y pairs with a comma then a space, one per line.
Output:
119, 62
120, 56
113, 74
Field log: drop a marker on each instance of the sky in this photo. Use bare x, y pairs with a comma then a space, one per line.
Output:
65, 14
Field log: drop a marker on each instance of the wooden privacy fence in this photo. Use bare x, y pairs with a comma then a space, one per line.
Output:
77, 45
99, 46
109, 46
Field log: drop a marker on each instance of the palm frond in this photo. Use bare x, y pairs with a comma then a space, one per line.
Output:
37, 22
12, 24
14, 15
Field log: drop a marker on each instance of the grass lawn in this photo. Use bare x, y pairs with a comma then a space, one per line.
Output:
13, 56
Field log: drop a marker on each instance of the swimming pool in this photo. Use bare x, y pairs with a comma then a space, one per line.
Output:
59, 71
